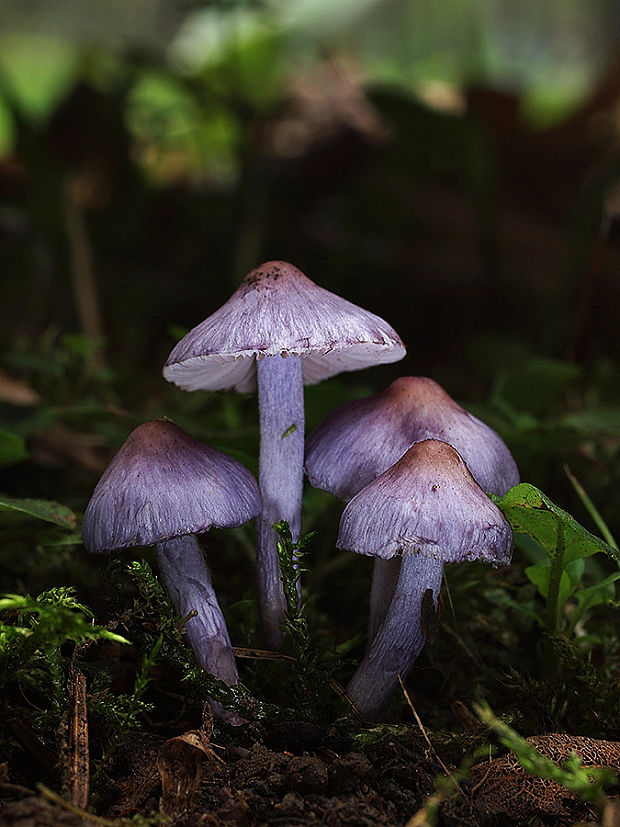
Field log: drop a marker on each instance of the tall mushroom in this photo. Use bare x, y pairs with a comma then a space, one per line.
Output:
162, 488
428, 509
277, 332
359, 440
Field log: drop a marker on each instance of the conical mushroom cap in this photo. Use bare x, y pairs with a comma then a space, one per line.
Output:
163, 483
427, 503
277, 310
359, 440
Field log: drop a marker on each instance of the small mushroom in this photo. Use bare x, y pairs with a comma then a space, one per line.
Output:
428, 509
359, 440
277, 332
162, 488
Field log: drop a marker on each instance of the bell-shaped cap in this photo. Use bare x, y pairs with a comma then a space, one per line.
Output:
359, 440
163, 483
277, 310
429, 504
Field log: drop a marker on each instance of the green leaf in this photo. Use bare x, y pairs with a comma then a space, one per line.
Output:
602, 592
531, 512
540, 573
12, 448
51, 512
591, 508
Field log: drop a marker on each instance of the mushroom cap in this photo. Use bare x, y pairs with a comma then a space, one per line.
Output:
427, 503
163, 483
359, 440
277, 310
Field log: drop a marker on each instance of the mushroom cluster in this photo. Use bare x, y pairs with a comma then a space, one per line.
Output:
412, 465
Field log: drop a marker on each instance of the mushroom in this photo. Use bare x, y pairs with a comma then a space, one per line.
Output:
162, 488
277, 332
428, 509
359, 440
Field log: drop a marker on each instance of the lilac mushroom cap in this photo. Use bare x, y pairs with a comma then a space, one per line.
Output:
428, 509
279, 311
163, 483
162, 488
359, 440
428, 501
277, 332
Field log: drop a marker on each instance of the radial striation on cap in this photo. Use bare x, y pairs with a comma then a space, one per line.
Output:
359, 440
163, 483
277, 310
427, 503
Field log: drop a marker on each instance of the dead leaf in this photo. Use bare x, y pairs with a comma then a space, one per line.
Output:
502, 787
181, 762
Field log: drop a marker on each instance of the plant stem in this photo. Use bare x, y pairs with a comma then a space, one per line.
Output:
281, 418
554, 609
400, 638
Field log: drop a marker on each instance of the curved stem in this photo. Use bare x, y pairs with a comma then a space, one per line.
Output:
281, 418
186, 578
384, 579
400, 638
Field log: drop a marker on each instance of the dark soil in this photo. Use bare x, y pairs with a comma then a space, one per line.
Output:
295, 773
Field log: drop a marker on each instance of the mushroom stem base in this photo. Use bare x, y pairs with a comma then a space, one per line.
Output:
401, 636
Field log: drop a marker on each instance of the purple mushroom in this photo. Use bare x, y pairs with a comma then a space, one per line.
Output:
162, 488
277, 332
359, 440
428, 509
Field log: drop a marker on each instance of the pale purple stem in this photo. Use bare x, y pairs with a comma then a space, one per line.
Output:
187, 580
280, 477
400, 638
384, 579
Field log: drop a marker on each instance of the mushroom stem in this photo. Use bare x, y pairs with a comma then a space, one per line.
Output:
280, 477
384, 578
187, 580
400, 638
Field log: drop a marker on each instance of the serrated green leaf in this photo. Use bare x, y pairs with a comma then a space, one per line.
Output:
12, 448
531, 512
51, 512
